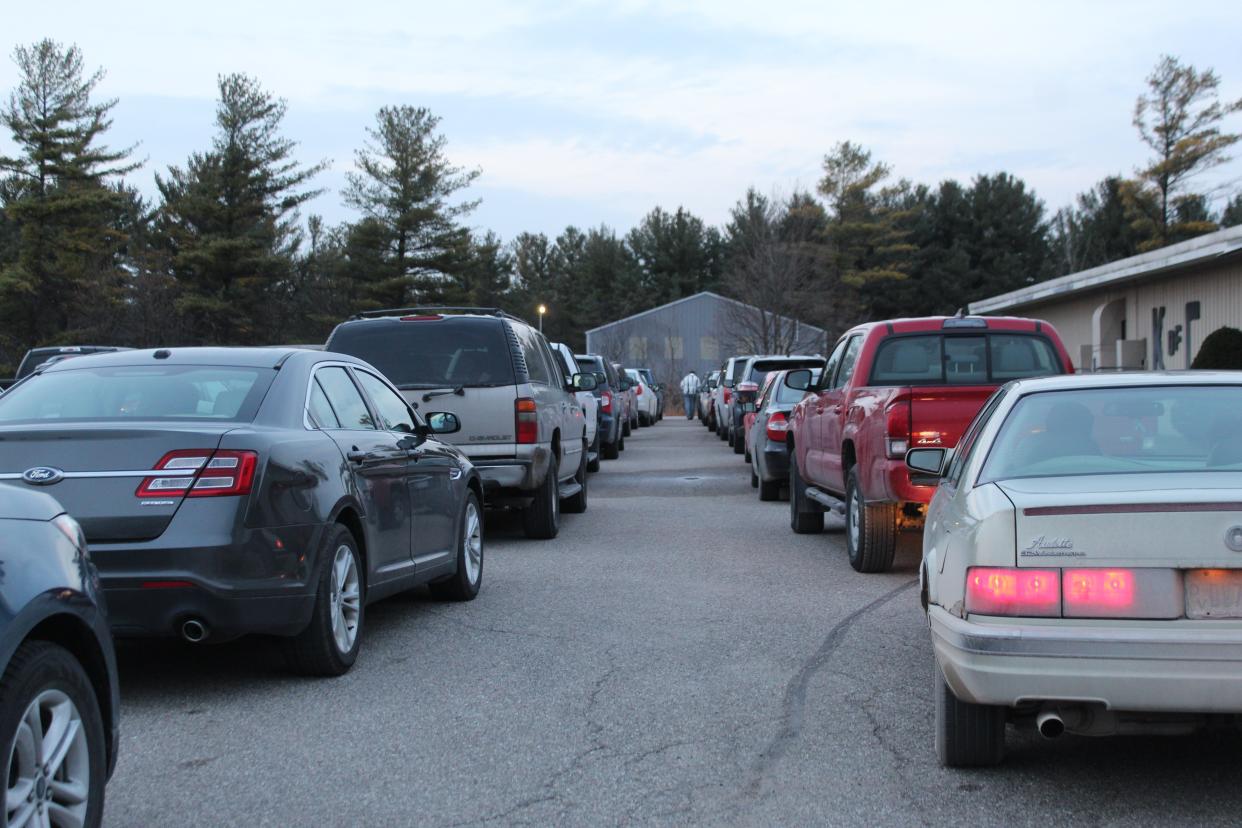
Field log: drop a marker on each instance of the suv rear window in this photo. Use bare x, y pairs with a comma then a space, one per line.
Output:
976, 359
431, 353
181, 392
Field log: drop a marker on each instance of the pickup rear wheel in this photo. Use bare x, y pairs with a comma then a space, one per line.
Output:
870, 529
805, 516
967, 735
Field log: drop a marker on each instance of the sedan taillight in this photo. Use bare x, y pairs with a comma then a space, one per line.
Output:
201, 473
778, 425
1007, 591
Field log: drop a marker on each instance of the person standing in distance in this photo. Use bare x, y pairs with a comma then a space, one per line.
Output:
690, 390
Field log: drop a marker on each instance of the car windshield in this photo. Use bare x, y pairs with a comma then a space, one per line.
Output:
431, 353
975, 359
1178, 428
198, 392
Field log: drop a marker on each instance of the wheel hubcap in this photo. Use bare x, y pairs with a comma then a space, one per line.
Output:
855, 515
474, 544
49, 765
346, 598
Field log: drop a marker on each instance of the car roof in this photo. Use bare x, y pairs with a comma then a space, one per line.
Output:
1125, 379
234, 357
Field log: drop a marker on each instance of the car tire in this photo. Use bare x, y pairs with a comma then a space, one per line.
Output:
593, 465
967, 735
870, 529
542, 518
644, 420
317, 650
621, 444
610, 451
40, 679
577, 504
754, 479
805, 516
769, 490
739, 442
626, 429
465, 583
747, 458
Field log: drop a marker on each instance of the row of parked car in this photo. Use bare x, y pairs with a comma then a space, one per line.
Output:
228, 491
1080, 534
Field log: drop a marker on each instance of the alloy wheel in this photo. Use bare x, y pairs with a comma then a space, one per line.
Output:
346, 598
49, 765
474, 544
855, 517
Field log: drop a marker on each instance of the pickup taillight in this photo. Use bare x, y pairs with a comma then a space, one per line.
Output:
897, 429
605, 401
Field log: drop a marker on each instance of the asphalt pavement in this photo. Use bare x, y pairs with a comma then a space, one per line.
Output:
676, 656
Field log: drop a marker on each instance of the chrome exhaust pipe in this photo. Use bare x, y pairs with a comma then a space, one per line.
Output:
1049, 724
194, 631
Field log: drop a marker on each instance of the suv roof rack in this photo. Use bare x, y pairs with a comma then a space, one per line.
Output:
374, 314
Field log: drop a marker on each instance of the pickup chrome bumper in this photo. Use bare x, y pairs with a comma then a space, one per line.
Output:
1169, 666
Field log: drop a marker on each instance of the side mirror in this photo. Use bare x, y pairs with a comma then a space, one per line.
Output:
585, 382
799, 380
442, 422
928, 462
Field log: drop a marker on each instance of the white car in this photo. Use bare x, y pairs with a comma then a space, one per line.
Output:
648, 402
590, 404
1082, 560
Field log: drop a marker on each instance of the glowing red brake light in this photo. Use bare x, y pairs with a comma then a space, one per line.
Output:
778, 424
1007, 591
526, 420
201, 473
1095, 590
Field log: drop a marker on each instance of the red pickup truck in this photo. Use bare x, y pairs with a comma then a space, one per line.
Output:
889, 387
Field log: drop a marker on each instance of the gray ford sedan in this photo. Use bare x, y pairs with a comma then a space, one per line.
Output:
227, 491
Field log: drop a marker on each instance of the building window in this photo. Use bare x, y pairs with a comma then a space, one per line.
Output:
709, 348
674, 347
638, 349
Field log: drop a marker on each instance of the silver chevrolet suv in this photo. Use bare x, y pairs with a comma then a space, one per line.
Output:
521, 425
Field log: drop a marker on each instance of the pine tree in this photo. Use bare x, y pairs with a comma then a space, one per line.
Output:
1180, 118
60, 241
677, 253
406, 186
866, 242
229, 218
1231, 216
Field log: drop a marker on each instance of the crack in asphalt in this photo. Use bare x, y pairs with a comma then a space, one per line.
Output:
794, 705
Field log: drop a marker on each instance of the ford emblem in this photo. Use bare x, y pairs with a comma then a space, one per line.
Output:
43, 476
1233, 538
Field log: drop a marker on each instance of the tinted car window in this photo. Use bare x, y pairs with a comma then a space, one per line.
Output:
933, 359
431, 353
848, 359
536, 365
320, 409
166, 392
394, 413
346, 401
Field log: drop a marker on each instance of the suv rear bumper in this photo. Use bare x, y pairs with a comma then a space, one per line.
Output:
509, 473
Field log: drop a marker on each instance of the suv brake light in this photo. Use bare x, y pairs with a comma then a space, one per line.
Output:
778, 424
423, 318
605, 401
526, 420
201, 473
897, 429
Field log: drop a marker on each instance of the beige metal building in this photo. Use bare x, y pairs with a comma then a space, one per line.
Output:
1146, 312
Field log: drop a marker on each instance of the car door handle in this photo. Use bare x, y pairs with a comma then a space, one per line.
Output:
356, 456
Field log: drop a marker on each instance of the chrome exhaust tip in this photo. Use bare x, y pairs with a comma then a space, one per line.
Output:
194, 631
1049, 724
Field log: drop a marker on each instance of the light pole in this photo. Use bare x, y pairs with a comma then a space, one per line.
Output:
542, 310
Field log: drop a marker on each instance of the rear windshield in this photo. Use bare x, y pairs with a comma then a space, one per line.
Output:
976, 359
1176, 428
759, 371
432, 353
187, 392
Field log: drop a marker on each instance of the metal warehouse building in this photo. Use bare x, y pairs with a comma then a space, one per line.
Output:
698, 333
1146, 312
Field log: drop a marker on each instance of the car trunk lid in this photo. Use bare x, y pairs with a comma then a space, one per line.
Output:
1186, 520
95, 471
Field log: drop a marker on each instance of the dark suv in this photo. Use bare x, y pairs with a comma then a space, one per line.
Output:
611, 403
521, 425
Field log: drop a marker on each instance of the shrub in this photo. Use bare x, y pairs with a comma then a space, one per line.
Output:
1221, 351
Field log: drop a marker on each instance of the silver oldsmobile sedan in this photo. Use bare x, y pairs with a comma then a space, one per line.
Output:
1082, 560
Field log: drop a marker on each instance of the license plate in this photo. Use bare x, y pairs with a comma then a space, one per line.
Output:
748, 407
1214, 593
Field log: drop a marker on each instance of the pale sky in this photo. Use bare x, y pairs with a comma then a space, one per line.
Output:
585, 112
